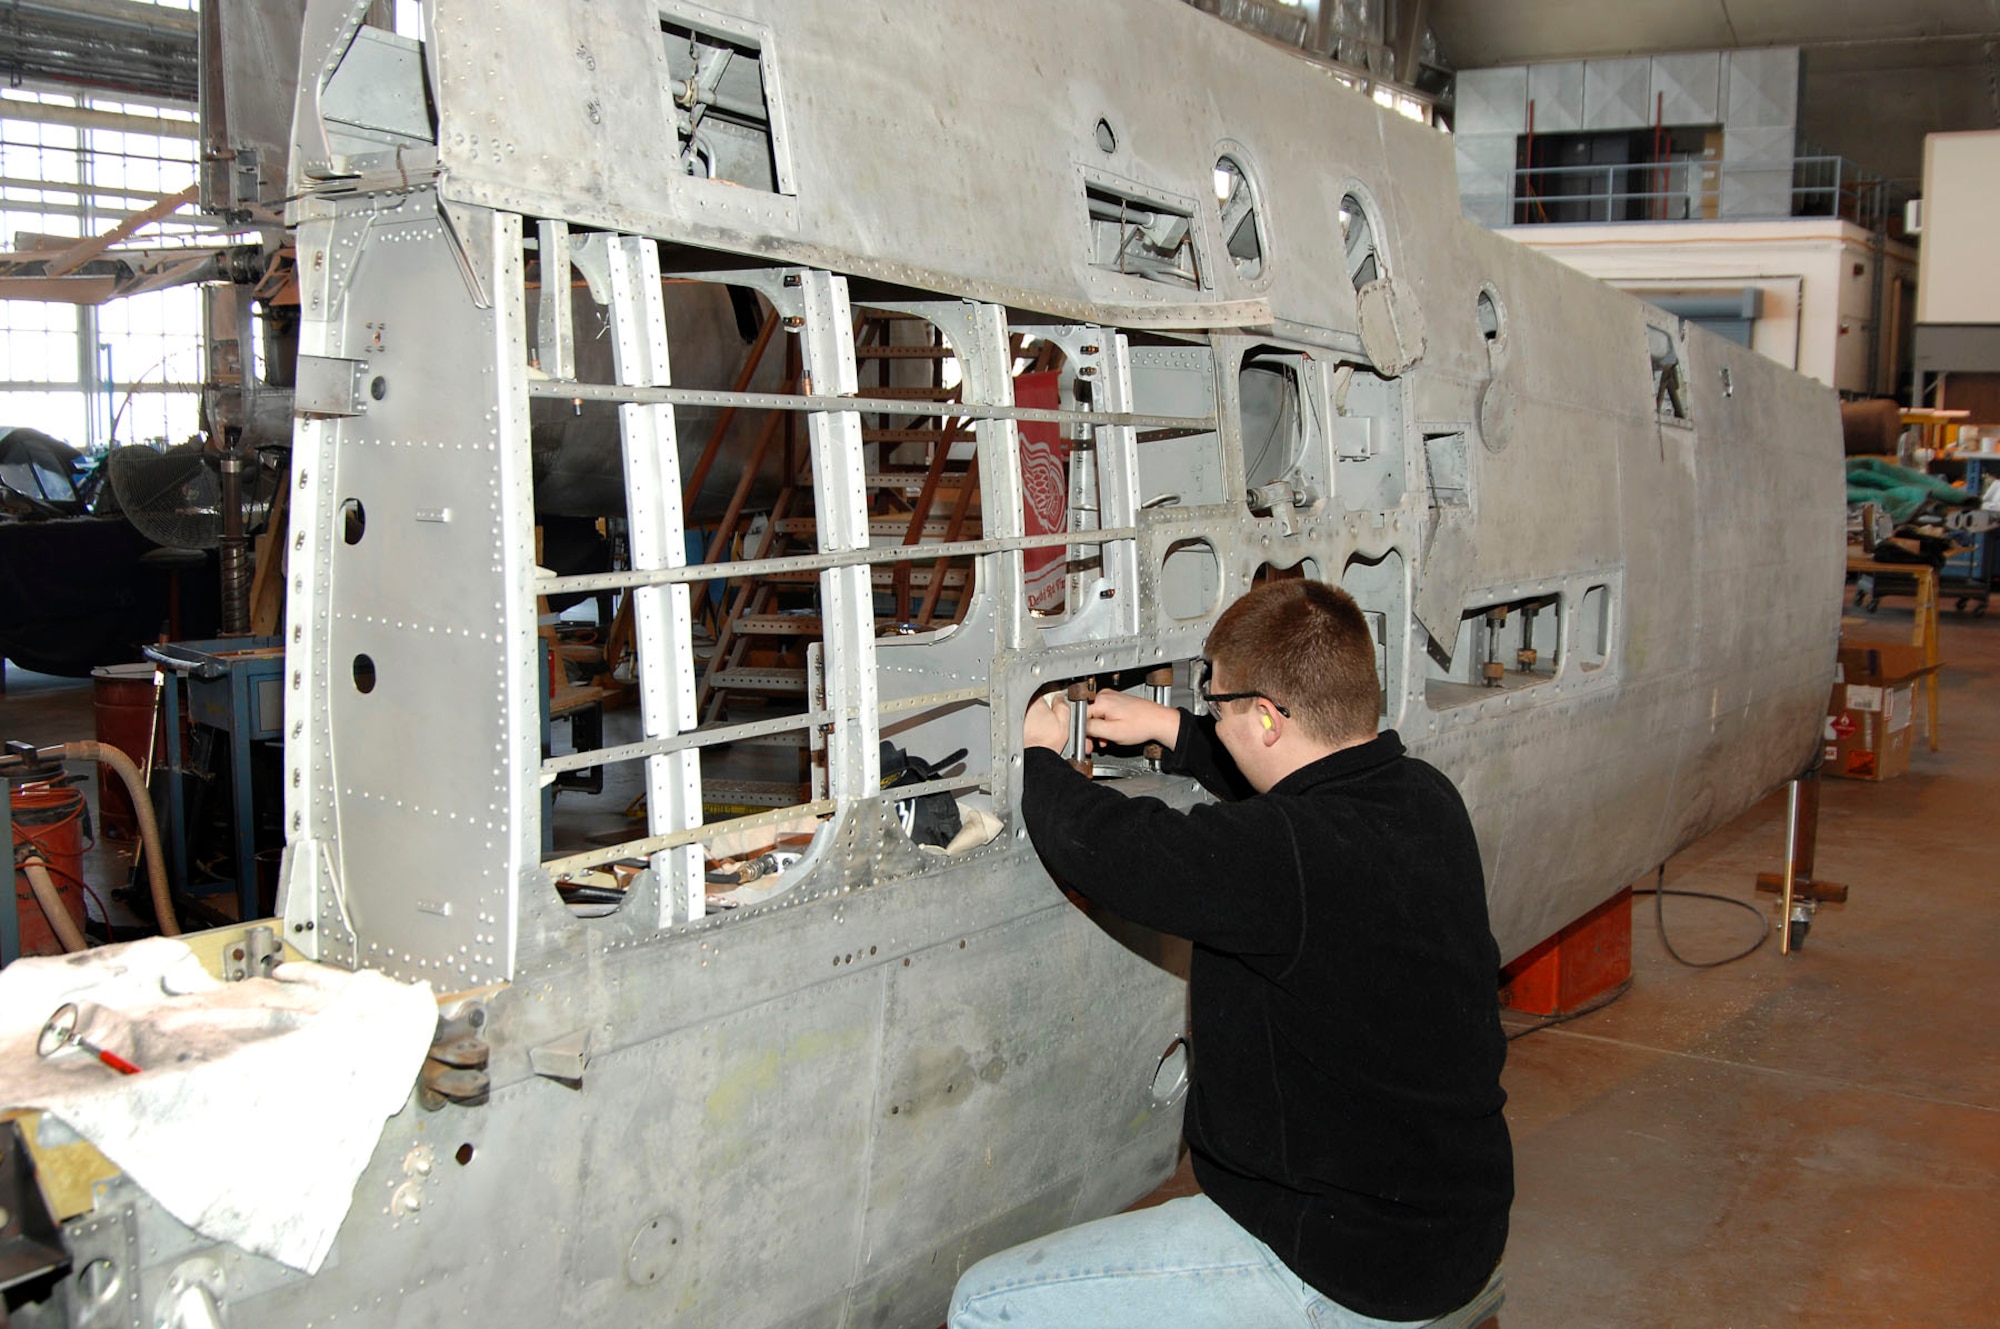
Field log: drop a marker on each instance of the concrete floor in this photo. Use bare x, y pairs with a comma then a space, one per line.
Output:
1810, 1139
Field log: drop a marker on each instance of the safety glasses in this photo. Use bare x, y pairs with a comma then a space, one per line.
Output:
1211, 699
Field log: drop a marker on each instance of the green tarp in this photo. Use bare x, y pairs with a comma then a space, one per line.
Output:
1900, 491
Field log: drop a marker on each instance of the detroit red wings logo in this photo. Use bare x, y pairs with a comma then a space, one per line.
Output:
1044, 486
1044, 491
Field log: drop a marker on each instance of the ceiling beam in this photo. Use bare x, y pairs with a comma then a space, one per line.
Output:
77, 117
129, 15
1410, 19
85, 250
61, 290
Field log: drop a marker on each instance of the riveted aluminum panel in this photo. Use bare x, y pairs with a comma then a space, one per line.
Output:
552, 145
420, 722
986, 1041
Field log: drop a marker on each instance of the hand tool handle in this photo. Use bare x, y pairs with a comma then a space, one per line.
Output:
116, 1062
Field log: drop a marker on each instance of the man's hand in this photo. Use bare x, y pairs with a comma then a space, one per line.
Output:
1128, 721
1046, 724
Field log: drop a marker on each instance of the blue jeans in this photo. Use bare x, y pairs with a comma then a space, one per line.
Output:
1184, 1263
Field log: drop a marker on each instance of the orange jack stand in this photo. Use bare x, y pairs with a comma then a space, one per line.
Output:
1583, 961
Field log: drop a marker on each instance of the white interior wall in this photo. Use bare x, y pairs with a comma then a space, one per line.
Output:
1959, 278
1816, 307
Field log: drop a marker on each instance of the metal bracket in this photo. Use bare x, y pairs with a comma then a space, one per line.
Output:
563, 1059
469, 235
310, 902
555, 335
330, 385
31, 1246
254, 955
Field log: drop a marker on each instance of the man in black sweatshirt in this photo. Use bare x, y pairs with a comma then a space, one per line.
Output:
1344, 1115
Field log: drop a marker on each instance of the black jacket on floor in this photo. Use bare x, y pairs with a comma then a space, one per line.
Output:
1345, 1104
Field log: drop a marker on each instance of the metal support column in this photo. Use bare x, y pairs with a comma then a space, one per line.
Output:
630, 266
847, 597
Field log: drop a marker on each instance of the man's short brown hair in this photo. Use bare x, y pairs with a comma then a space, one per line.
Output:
1304, 645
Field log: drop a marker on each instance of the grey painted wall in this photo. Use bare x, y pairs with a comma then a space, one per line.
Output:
1753, 94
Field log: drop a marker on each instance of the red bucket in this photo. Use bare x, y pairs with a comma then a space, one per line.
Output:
125, 699
50, 817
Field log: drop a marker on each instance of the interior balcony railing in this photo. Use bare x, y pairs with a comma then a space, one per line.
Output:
1696, 189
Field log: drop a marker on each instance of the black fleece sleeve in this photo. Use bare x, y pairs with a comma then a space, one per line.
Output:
1226, 876
1198, 752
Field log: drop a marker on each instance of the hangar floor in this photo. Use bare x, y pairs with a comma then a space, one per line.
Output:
1791, 1140
1784, 1141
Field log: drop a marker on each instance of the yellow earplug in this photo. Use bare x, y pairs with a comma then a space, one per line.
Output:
1267, 721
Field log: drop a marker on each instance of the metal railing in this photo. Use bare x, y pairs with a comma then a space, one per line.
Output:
1694, 189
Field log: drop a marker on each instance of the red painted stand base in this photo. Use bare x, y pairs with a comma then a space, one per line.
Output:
1583, 961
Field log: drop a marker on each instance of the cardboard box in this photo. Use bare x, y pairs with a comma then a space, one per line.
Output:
1871, 716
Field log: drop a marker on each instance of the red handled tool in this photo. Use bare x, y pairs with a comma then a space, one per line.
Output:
60, 1032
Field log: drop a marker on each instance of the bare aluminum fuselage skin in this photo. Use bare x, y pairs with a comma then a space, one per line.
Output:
818, 1109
